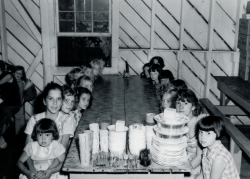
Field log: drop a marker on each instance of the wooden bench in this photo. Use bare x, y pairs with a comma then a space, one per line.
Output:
238, 141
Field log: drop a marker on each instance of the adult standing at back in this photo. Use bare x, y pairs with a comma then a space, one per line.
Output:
10, 100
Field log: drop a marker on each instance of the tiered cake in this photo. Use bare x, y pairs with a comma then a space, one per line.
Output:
169, 145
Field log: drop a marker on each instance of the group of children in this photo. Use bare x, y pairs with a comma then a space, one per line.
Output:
49, 133
207, 157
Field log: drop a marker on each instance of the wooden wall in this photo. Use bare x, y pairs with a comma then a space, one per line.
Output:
140, 36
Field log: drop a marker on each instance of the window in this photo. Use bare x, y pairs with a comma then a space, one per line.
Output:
83, 31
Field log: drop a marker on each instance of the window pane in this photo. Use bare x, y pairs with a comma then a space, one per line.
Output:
66, 26
83, 16
101, 15
84, 26
66, 5
100, 5
75, 51
101, 26
83, 5
66, 16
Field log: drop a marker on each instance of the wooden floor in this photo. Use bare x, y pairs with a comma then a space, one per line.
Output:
9, 156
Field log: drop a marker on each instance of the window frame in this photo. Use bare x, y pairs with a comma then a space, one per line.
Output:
113, 27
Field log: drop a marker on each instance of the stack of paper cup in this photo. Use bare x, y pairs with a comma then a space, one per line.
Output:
104, 126
149, 133
104, 140
137, 138
117, 140
95, 128
90, 134
84, 149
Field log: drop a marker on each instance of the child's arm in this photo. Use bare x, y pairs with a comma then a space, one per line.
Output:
29, 173
51, 171
197, 159
65, 141
218, 167
29, 161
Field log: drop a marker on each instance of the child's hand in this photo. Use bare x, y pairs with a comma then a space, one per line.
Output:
48, 174
39, 174
32, 175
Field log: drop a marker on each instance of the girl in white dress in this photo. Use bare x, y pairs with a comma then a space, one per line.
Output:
43, 151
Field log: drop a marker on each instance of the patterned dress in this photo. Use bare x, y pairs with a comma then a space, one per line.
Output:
43, 157
219, 152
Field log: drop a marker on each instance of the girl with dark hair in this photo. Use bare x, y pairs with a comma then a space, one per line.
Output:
187, 103
145, 73
157, 60
83, 99
43, 151
217, 161
52, 99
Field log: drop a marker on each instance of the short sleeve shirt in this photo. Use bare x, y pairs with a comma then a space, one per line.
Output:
36, 152
65, 124
219, 152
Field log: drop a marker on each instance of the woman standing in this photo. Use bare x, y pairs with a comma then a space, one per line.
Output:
10, 101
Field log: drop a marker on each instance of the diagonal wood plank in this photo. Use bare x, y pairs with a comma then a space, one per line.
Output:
34, 64
9, 8
33, 10
27, 19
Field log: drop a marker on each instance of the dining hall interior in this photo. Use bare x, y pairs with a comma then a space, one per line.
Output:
203, 43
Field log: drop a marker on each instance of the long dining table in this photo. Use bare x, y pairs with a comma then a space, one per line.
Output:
117, 98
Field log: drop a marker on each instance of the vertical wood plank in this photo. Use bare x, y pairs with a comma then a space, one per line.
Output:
115, 39
180, 52
3, 32
208, 56
47, 77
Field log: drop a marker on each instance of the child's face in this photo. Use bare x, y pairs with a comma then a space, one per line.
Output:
53, 101
146, 72
96, 69
78, 75
84, 101
154, 75
207, 138
184, 108
156, 61
165, 81
18, 74
87, 84
44, 139
68, 104
88, 72
166, 100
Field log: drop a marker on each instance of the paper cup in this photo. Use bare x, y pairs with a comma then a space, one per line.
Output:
85, 157
104, 125
150, 118
83, 138
94, 126
90, 134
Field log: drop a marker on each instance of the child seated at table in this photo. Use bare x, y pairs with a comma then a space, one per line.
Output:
145, 73
167, 99
154, 72
85, 82
68, 99
83, 100
187, 103
43, 151
157, 60
217, 161
165, 78
88, 71
72, 76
